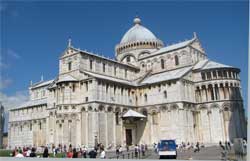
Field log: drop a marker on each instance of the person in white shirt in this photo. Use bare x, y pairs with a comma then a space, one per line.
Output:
103, 154
19, 155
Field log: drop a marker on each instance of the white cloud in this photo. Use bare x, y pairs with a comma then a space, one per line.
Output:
4, 83
11, 101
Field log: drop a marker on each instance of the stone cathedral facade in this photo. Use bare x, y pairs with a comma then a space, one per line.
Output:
166, 92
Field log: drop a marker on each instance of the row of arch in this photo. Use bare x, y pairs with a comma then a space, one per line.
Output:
150, 43
217, 91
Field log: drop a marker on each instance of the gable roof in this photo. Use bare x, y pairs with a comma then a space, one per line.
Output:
132, 113
171, 47
66, 78
168, 75
41, 84
31, 103
113, 79
209, 64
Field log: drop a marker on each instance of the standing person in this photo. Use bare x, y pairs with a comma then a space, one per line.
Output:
46, 153
117, 150
103, 154
222, 147
120, 150
143, 149
229, 145
92, 153
127, 147
33, 152
85, 150
75, 154
226, 145
136, 151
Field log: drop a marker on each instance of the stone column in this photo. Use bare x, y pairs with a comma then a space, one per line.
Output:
78, 130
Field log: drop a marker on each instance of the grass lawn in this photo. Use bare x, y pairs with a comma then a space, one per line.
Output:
5, 153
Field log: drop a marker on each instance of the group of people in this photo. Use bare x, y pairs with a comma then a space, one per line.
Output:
69, 152
187, 146
28, 152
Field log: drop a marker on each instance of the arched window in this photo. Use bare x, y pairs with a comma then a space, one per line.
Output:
145, 97
117, 118
176, 59
90, 64
165, 94
162, 64
40, 125
155, 118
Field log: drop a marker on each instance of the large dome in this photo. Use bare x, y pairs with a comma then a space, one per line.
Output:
137, 33
137, 38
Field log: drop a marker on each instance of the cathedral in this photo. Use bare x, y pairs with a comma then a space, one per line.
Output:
149, 92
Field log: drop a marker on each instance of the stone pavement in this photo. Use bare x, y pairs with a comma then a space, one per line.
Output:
207, 153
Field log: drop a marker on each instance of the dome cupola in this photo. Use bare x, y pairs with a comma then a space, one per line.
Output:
138, 37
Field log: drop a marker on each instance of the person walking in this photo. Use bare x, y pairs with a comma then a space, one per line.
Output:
46, 153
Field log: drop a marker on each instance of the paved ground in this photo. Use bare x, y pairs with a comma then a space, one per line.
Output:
207, 153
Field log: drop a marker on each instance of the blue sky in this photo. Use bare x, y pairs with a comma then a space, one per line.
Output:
34, 34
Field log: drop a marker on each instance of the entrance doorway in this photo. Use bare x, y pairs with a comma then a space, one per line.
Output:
129, 136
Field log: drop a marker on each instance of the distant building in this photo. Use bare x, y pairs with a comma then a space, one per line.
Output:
1, 124
150, 92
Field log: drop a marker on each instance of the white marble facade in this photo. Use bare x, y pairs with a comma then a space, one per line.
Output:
184, 96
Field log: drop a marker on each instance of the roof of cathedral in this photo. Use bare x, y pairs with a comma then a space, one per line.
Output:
66, 78
168, 75
100, 76
209, 64
41, 83
31, 103
137, 33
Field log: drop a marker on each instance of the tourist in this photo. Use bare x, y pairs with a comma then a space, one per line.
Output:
92, 153
143, 149
197, 147
103, 154
14, 152
75, 154
28, 152
85, 151
70, 153
117, 150
120, 150
19, 154
136, 150
33, 152
229, 145
46, 153
127, 146
222, 147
